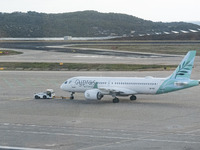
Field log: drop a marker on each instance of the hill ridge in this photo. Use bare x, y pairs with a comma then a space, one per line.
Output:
85, 24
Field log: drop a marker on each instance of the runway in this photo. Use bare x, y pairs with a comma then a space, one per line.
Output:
65, 47
54, 56
61, 51
169, 121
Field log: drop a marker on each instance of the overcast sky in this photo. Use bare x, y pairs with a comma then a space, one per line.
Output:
155, 10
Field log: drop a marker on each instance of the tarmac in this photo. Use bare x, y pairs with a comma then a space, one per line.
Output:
169, 121
164, 122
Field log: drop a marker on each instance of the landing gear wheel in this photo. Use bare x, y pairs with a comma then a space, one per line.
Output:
115, 100
44, 97
72, 96
133, 98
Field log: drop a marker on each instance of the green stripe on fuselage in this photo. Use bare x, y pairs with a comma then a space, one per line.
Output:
170, 86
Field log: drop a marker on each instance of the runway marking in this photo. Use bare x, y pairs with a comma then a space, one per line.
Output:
170, 141
8, 83
35, 82
21, 99
107, 137
19, 83
193, 131
54, 82
118, 139
94, 129
41, 81
103, 145
139, 139
19, 148
30, 82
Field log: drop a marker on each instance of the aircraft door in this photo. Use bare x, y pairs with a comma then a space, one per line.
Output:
72, 83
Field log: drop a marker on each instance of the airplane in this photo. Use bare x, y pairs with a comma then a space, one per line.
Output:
94, 88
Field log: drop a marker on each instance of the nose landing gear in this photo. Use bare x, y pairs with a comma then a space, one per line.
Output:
72, 95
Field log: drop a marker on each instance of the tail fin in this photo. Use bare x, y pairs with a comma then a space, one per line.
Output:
184, 70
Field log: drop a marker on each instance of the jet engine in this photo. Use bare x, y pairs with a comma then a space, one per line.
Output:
93, 94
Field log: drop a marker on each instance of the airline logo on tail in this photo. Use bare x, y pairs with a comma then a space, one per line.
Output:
184, 70
180, 79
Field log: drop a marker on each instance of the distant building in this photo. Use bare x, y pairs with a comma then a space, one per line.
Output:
166, 33
176, 32
183, 31
193, 30
67, 37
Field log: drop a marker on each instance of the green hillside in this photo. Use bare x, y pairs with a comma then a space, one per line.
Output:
82, 24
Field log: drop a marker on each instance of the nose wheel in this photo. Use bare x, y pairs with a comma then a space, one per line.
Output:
72, 96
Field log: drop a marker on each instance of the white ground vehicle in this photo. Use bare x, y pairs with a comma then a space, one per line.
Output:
45, 95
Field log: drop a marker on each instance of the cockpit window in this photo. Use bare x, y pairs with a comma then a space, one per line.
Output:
65, 82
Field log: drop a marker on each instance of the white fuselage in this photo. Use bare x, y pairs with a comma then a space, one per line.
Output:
133, 85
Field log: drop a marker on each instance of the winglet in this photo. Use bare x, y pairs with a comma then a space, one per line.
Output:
184, 70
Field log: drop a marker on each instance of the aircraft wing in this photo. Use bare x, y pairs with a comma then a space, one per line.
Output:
117, 91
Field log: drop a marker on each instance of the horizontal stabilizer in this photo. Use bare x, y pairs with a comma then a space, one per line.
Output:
180, 83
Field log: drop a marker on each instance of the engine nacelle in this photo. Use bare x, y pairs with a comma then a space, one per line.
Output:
93, 94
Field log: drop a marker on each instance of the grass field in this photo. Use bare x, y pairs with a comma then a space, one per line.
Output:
168, 48
80, 66
9, 52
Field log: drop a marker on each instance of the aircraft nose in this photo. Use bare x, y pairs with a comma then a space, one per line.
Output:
62, 87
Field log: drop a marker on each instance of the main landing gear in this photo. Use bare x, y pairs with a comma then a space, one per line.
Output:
115, 100
133, 98
72, 95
